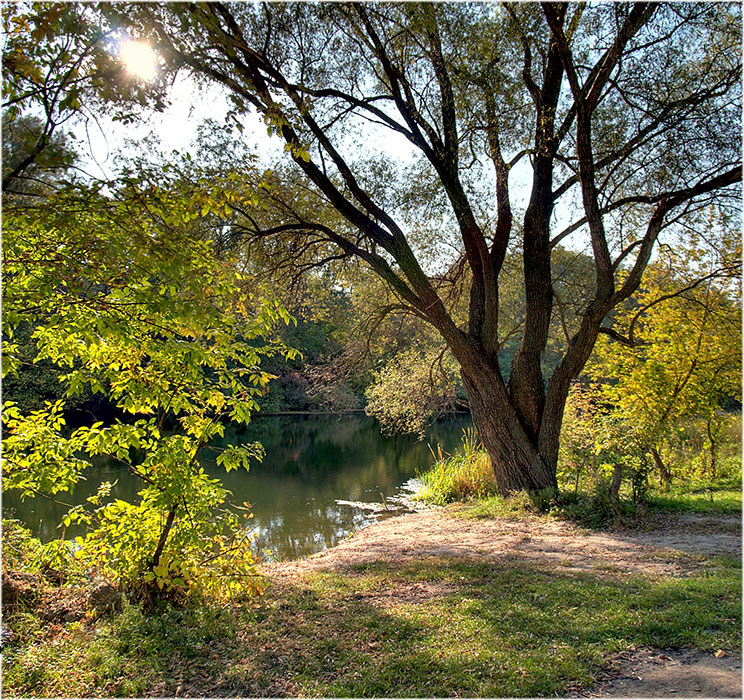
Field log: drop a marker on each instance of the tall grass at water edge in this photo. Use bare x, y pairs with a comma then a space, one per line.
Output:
458, 477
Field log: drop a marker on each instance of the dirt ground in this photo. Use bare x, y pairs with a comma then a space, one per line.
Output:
670, 673
666, 545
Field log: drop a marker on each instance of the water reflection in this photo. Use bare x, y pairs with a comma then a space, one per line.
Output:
311, 462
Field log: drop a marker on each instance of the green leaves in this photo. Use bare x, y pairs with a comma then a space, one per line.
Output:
127, 299
686, 358
36, 457
412, 389
234, 457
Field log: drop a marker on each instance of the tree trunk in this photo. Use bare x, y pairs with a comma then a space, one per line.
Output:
163, 536
664, 474
617, 478
712, 441
517, 463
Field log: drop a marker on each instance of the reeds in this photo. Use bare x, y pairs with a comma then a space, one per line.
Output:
461, 476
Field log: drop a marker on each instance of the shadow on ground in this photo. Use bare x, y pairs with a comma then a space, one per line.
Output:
441, 627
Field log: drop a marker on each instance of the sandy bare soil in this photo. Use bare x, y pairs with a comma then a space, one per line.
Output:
665, 673
667, 545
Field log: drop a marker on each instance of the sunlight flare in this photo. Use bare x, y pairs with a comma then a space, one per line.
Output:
139, 59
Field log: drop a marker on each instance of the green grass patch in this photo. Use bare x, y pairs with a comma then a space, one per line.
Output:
436, 628
476, 629
127, 655
46, 662
585, 510
493, 506
720, 503
718, 498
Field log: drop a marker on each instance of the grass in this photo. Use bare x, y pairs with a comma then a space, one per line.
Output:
596, 511
458, 477
720, 497
493, 506
464, 628
127, 655
712, 503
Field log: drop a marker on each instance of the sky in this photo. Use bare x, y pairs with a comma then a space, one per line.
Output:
175, 127
191, 104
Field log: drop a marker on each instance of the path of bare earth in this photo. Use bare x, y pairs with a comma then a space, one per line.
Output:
667, 545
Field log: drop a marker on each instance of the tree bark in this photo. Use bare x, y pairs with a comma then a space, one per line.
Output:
163, 536
712, 441
664, 474
517, 464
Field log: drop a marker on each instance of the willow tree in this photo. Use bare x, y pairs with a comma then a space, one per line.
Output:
526, 125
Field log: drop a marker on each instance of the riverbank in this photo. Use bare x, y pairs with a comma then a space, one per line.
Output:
432, 605
663, 545
664, 549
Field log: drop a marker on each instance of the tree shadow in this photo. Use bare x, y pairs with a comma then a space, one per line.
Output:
440, 627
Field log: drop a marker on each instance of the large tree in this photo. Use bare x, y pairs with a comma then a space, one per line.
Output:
525, 125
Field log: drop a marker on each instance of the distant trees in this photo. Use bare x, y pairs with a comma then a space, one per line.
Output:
621, 121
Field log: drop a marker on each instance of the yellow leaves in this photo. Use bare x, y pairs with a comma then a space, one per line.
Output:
298, 152
217, 400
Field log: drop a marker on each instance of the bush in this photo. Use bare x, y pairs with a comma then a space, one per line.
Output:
23, 552
596, 510
706, 450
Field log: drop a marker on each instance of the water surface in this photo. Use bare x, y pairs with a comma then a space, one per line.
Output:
312, 461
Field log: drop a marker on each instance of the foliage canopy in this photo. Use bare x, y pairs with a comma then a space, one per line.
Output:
522, 125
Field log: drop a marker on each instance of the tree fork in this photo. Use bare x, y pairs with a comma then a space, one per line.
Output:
516, 461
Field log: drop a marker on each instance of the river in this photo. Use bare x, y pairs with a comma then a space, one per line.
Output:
312, 462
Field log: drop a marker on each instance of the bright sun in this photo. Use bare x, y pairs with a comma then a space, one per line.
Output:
139, 59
